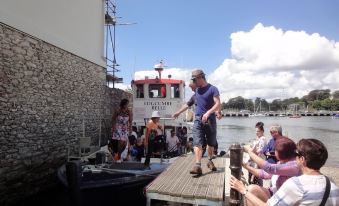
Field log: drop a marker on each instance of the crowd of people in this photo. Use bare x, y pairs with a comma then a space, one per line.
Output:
127, 143
292, 168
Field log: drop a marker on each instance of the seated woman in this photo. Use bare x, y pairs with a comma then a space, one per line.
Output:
278, 173
257, 145
311, 188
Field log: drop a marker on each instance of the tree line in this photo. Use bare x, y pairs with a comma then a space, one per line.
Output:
319, 99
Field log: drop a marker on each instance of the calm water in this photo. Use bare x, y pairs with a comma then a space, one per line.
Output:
241, 130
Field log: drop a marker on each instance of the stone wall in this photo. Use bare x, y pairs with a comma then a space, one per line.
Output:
45, 95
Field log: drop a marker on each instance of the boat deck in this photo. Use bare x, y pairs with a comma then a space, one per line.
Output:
177, 185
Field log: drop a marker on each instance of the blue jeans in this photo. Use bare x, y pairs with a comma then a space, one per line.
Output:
205, 132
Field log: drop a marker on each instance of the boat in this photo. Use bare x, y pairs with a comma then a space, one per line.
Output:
258, 115
336, 116
166, 95
97, 170
90, 167
295, 113
257, 111
91, 173
295, 116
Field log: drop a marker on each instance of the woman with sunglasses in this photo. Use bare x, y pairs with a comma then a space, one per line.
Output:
307, 189
278, 173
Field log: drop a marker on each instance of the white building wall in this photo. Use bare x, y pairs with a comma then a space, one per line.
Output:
76, 26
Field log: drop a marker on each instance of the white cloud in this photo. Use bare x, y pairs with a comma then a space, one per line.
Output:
121, 86
270, 63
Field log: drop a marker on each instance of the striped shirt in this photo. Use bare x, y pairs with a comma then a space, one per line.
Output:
305, 190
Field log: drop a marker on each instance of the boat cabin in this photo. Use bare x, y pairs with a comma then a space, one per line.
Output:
165, 95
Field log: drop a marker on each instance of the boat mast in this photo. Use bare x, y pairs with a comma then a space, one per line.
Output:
159, 68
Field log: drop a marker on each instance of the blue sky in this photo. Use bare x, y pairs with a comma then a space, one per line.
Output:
190, 34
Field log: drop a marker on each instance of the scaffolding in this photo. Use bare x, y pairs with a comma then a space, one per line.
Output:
110, 24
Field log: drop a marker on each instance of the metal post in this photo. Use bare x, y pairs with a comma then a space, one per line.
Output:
73, 173
100, 132
83, 136
235, 166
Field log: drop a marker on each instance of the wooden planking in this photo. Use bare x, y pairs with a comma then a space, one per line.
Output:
168, 198
190, 188
227, 177
176, 180
168, 174
158, 182
216, 190
182, 180
173, 174
204, 183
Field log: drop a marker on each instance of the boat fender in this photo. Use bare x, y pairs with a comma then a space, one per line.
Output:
73, 173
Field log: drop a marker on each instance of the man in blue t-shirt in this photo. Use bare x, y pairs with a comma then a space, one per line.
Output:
269, 149
192, 102
204, 128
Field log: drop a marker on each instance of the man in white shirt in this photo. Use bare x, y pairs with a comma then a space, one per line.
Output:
172, 144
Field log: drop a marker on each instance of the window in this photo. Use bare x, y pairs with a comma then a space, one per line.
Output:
140, 91
175, 91
157, 91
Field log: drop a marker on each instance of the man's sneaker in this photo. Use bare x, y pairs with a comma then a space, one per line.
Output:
196, 170
211, 166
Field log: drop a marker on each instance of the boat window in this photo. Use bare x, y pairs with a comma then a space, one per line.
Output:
140, 91
175, 91
157, 90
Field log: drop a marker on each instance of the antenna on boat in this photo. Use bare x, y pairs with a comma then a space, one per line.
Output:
159, 67
111, 21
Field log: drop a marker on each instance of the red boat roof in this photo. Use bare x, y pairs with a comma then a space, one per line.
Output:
157, 81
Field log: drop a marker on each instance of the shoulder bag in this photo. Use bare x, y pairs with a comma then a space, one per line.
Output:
327, 191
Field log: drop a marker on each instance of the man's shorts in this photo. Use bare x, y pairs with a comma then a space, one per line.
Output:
205, 132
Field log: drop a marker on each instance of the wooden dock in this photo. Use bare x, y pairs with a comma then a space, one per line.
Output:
176, 184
